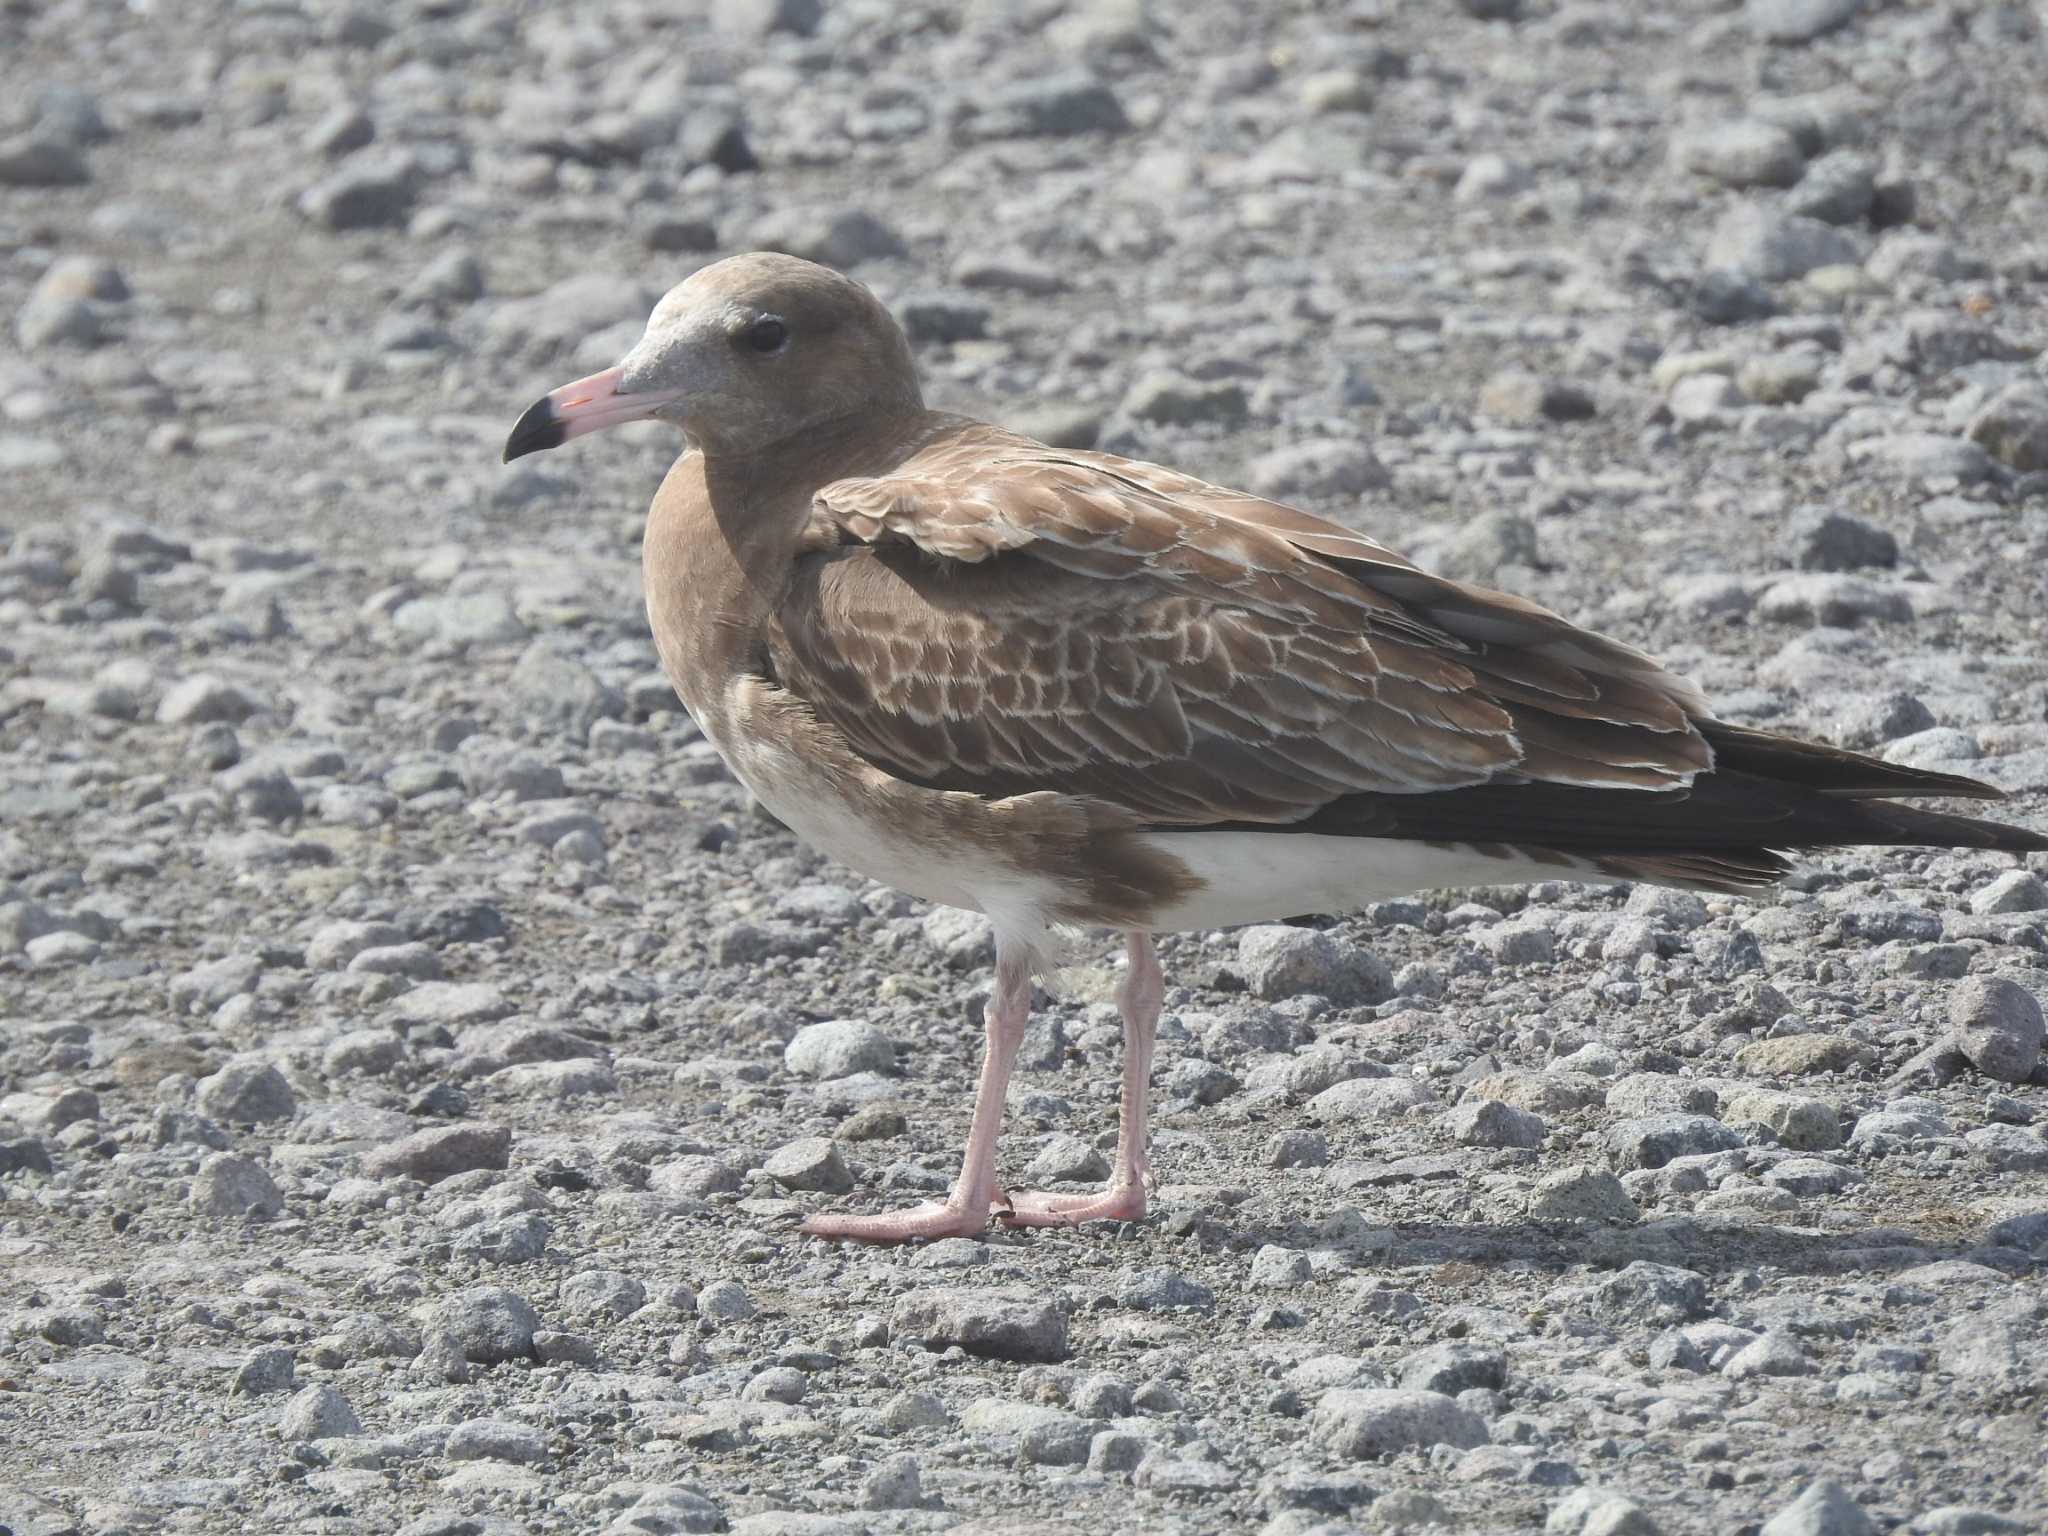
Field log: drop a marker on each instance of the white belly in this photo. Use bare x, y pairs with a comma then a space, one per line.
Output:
818, 808
1261, 877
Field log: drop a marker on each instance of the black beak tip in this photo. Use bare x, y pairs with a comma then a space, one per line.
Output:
535, 432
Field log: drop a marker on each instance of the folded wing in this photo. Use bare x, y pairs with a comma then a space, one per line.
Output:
1000, 617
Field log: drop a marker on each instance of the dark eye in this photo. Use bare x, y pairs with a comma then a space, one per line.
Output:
766, 334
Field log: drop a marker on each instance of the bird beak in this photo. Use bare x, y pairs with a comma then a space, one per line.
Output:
588, 405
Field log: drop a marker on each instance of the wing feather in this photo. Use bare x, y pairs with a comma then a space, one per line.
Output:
1001, 617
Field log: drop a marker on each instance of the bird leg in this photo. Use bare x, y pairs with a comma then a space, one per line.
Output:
1123, 1198
964, 1212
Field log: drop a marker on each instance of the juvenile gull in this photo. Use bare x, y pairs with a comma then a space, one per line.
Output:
1059, 687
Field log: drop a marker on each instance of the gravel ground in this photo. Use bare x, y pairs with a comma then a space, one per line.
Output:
415, 1046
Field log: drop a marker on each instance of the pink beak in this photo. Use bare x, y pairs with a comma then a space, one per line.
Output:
588, 405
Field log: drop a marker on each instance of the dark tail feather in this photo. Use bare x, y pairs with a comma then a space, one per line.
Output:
1728, 831
1830, 771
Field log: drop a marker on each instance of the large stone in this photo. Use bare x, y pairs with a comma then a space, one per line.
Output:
1164, 396
1794, 1120
1776, 247
317, 1412
1824, 1509
1742, 152
1651, 1141
235, 1188
812, 1164
1997, 1023
1378, 1421
997, 1324
1578, 1193
1279, 961
1798, 21
440, 1152
246, 1093
838, 1048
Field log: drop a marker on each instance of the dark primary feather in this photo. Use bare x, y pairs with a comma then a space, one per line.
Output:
998, 617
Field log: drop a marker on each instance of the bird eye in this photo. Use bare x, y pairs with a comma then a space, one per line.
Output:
766, 334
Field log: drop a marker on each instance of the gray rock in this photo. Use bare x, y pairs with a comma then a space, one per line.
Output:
1768, 1354
1872, 720
1378, 1421
908, 1411
269, 1369
838, 1048
487, 1324
1324, 467
1056, 106
666, 1509
1044, 1436
1797, 21
753, 21
344, 129
440, 1152
2009, 1148
1598, 1512
495, 1440
1925, 456
1490, 1123
1369, 1099
263, 792
812, 1164
317, 1412
1280, 962
1517, 943
1651, 1141
942, 318
235, 1187
1741, 152
897, 1482
504, 1240
1644, 1292
1066, 1159
1774, 246
246, 1093
1998, 1024
1793, 1120
41, 160
1831, 600
1824, 1509
1838, 188
375, 189
1823, 540
1162, 1289
1485, 543
995, 1323
1524, 398
964, 940
201, 699
838, 237
1489, 176
1451, 1368
562, 693
725, 1301
777, 1384
603, 1292
2017, 890
1578, 1193
1164, 396
2012, 426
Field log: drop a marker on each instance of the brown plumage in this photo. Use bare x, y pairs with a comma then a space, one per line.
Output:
1068, 687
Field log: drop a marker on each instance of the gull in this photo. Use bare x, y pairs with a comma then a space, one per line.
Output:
1067, 688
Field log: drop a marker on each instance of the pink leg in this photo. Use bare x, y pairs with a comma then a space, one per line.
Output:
1123, 1199
965, 1211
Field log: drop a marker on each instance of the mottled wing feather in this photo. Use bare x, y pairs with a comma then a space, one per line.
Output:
1011, 618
